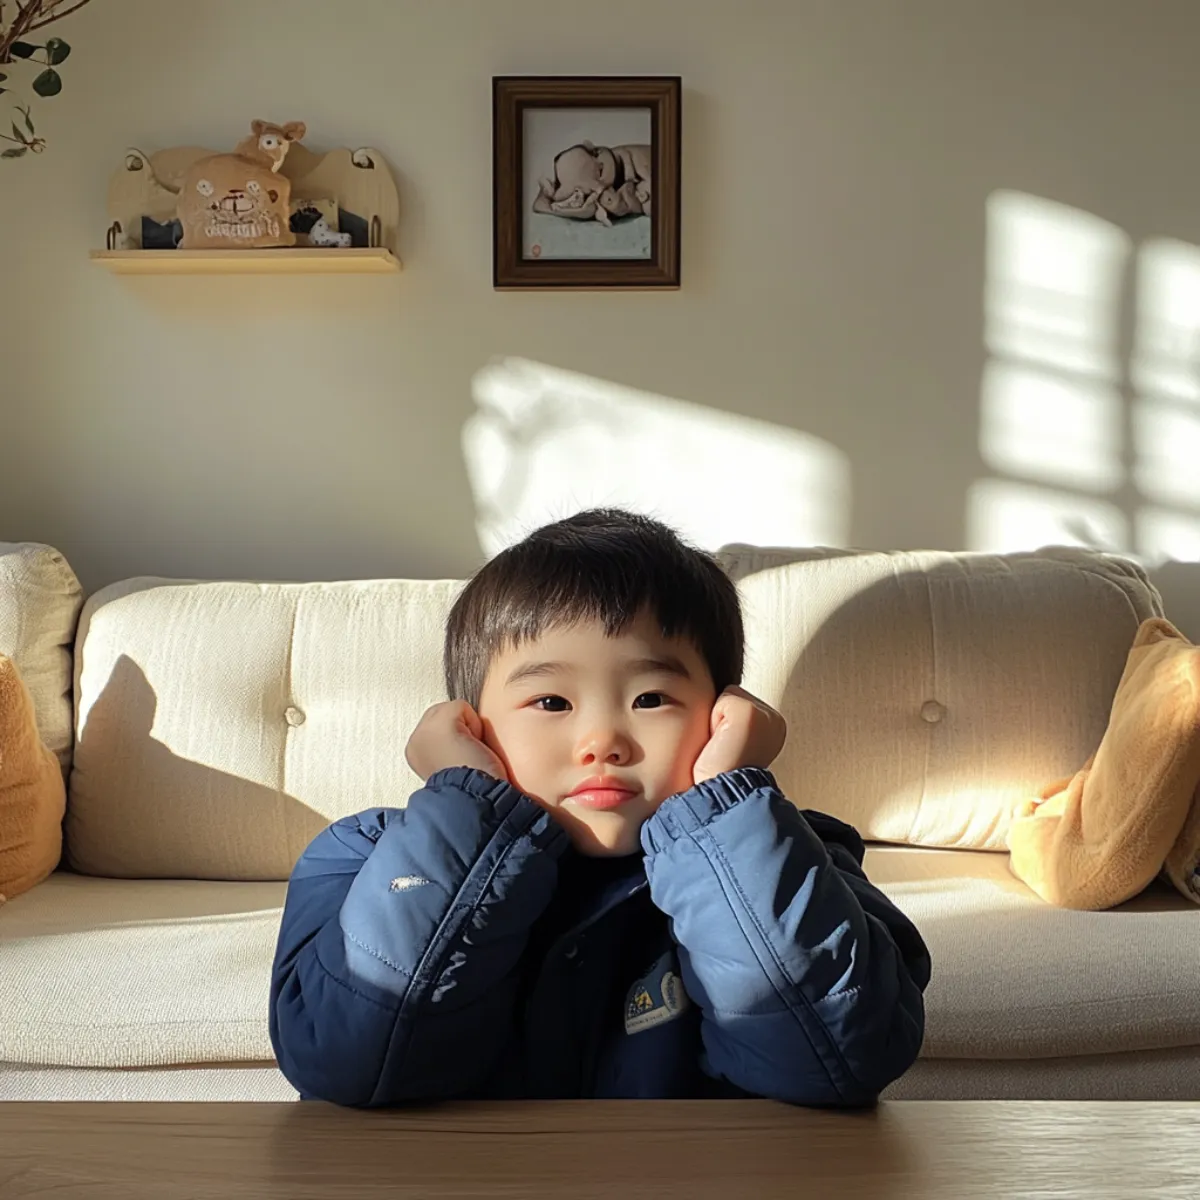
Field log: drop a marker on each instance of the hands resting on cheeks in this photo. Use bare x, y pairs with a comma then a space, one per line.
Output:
744, 732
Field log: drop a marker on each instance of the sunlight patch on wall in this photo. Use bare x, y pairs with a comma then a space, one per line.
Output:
546, 443
1164, 370
1167, 440
1004, 517
1163, 536
1053, 285
1045, 427
1166, 353
1075, 455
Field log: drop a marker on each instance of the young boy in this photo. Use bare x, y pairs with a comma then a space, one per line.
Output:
600, 891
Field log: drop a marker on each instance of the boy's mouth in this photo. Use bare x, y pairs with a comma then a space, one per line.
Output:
601, 793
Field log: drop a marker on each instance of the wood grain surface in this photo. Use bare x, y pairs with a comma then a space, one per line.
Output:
694, 1149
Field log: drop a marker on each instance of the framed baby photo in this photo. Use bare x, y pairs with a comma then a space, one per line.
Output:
585, 181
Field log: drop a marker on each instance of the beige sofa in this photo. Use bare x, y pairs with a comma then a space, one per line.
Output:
218, 726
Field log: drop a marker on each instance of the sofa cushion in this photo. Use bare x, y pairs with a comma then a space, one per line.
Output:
230, 1083
927, 694
137, 973
40, 599
1014, 978
1146, 1075
141, 973
222, 726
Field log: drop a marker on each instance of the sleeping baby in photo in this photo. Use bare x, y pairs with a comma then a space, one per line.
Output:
598, 183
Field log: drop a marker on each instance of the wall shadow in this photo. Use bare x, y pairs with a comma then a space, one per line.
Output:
184, 814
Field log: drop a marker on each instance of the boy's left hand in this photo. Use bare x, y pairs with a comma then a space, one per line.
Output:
746, 732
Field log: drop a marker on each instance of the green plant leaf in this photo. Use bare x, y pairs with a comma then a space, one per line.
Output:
23, 50
15, 152
48, 83
3, 77
57, 51
28, 121
16, 132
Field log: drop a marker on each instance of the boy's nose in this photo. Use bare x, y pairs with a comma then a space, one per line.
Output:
604, 746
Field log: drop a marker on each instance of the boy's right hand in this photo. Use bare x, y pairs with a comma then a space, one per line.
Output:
450, 734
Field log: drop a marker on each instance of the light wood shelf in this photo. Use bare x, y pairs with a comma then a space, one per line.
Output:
375, 260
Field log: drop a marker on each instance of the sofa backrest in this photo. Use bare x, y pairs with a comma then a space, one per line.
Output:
927, 693
40, 599
222, 725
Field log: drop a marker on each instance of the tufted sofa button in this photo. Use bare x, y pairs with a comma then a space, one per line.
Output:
932, 712
294, 716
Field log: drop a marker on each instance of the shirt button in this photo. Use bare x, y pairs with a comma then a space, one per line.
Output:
932, 712
572, 952
294, 716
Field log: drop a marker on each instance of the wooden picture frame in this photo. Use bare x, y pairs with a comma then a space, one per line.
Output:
571, 210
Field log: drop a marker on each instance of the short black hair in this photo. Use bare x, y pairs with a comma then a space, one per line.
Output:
603, 565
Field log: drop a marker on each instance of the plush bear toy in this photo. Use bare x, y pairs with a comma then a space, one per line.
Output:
240, 200
32, 795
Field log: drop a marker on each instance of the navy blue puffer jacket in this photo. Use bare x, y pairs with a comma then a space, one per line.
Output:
459, 948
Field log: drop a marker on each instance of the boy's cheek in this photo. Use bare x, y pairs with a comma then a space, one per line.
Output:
492, 742
693, 749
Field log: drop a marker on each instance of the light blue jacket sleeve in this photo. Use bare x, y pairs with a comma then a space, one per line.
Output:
810, 981
397, 965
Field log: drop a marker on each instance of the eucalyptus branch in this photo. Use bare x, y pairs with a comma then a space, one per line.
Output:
32, 15
21, 25
51, 13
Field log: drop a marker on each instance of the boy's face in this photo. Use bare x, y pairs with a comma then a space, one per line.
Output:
599, 730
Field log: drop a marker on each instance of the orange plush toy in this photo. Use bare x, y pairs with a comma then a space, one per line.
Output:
1133, 811
240, 200
32, 796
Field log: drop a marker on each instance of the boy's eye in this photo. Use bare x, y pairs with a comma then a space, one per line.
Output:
650, 700
551, 704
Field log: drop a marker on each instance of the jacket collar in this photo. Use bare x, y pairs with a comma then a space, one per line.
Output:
604, 884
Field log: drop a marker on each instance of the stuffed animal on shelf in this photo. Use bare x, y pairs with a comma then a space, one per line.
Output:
240, 200
321, 235
315, 223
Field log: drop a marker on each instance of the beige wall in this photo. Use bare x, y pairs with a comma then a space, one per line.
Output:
839, 157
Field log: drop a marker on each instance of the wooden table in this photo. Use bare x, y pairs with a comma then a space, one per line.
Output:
574, 1150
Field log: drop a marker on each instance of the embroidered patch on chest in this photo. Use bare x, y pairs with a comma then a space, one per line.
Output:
657, 997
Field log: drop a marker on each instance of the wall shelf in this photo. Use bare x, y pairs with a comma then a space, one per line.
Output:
373, 260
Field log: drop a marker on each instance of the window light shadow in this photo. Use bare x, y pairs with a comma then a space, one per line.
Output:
1166, 355
545, 443
1053, 284
1044, 426
1086, 447
1003, 517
